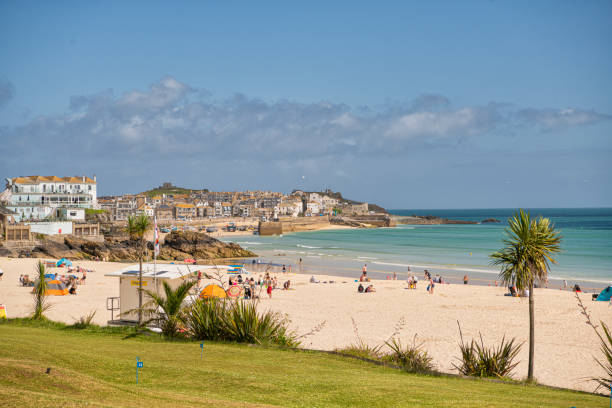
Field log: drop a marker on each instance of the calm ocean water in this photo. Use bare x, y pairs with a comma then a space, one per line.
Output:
587, 243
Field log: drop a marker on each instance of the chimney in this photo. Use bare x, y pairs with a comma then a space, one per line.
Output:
83, 179
94, 177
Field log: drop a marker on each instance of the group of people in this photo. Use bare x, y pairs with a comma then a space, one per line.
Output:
412, 280
368, 289
249, 285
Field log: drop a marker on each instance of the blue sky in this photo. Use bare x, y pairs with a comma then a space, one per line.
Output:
408, 104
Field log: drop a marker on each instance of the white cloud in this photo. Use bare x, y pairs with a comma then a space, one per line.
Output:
169, 119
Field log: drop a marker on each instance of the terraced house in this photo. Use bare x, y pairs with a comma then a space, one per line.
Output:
41, 197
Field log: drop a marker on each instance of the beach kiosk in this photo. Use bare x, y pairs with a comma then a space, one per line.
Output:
153, 277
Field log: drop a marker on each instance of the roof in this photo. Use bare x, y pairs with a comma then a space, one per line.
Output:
162, 271
184, 205
52, 179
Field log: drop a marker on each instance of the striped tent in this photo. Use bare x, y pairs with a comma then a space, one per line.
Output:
56, 288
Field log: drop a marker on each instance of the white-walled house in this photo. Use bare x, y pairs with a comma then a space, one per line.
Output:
38, 197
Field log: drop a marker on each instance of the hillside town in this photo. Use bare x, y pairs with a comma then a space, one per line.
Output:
202, 204
52, 205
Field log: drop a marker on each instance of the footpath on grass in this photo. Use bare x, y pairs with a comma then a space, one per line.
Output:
97, 366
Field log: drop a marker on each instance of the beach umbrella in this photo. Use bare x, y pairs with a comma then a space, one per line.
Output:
234, 291
212, 291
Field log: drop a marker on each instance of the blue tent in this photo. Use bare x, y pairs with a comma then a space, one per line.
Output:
605, 294
64, 261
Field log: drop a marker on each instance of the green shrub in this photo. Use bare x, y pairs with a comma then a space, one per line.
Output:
410, 357
240, 321
83, 322
362, 350
204, 319
606, 364
479, 360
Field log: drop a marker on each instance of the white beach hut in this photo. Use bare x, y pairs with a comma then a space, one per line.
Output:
152, 278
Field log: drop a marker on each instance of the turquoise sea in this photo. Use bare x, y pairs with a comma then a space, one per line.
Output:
449, 249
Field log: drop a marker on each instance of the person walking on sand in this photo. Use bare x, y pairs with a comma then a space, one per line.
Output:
269, 290
465, 279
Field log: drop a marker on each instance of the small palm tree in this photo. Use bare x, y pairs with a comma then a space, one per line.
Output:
526, 257
137, 226
168, 310
40, 293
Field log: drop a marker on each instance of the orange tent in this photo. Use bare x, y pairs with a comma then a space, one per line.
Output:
212, 291
56, 288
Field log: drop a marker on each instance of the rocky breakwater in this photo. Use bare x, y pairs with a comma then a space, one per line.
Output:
365, 221
427, 220
177, 246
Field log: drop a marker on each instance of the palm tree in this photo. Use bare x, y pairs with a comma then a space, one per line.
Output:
529, 245
40, 293
137, 226
168, 310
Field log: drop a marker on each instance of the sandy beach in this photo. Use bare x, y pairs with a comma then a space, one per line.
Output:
565, 345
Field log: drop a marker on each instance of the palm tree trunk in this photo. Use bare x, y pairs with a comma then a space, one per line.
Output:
140, 290
531, 333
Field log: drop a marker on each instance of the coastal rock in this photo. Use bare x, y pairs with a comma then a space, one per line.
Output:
490, 220
428, 220
200, 246
177, 246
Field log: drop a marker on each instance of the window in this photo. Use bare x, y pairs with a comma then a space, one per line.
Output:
73, 213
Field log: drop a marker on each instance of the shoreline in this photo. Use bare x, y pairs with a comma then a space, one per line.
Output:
350, 268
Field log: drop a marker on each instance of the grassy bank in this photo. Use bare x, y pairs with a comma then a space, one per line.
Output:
97, 367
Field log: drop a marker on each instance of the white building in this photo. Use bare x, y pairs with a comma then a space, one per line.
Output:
312, 208
38, 197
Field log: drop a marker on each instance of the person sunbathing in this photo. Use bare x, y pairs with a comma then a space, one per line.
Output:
370, 289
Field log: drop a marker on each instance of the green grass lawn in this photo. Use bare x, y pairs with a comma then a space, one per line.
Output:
97, 367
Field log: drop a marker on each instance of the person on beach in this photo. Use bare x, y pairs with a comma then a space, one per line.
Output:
365, 268
286, 285
564, 284
465, 279
431, 286
360, 288
269, 291
364, 277
427, 275
394, 276
370, 289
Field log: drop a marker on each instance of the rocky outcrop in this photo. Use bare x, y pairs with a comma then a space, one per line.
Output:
177, 246
490, 220
428, 220
365, 221
200, 246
